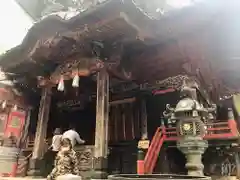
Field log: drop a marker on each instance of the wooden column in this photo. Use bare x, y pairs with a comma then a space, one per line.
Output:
144, 128
101, 133
237, 161
144, 137
36, 162
24, 134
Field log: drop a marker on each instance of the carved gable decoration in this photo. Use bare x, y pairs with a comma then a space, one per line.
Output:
81, 66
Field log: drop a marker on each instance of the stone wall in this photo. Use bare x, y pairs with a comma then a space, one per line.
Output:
122, 158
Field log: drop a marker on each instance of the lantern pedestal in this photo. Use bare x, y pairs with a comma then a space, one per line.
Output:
193, 148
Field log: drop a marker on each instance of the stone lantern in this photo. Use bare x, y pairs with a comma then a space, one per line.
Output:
189, 116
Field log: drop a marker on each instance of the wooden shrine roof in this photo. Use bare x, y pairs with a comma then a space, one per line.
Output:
111, 21
149, 48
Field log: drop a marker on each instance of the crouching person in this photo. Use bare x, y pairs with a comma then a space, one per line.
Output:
66, 162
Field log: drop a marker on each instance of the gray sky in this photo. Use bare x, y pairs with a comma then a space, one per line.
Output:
14, 24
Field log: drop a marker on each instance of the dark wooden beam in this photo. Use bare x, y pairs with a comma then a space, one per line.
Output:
43, 116
144, 128
123, 101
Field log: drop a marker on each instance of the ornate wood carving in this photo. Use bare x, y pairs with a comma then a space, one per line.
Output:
81, 66
85, 155
71, 104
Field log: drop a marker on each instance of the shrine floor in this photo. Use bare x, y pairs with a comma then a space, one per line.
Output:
29, 178
23, 178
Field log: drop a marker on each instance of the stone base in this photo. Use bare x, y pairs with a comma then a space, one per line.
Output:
224, 178
100, 168
193, 148
99, 175
36, 168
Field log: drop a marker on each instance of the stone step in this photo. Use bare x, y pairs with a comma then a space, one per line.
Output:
224, 178
16, 178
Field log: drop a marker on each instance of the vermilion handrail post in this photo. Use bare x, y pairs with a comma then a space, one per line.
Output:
157, 150
140, 162
151, 144
160, 137
233, 127
232, 123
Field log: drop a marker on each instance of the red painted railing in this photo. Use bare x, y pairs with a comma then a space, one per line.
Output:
220, 130
154, 149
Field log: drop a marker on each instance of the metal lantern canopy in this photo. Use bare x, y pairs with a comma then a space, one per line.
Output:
190, 112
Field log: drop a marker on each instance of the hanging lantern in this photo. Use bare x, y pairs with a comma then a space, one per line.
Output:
61, 84
76, 79
15, 107
4, 104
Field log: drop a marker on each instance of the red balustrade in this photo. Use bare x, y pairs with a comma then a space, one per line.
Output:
219, 130
154, 149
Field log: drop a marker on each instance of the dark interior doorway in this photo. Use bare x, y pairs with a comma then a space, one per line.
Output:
156, 105
74, 106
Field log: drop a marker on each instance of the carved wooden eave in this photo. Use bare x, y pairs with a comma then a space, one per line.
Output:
67, 70
156, 43
113, 19
82, 66
11, 96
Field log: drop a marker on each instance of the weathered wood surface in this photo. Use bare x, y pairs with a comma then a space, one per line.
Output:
144, 130
43, 116
124, 120
101, 132
102, 115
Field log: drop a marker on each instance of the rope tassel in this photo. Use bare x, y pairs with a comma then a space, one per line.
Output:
4, 104
75, 82
15, 107
61, 84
